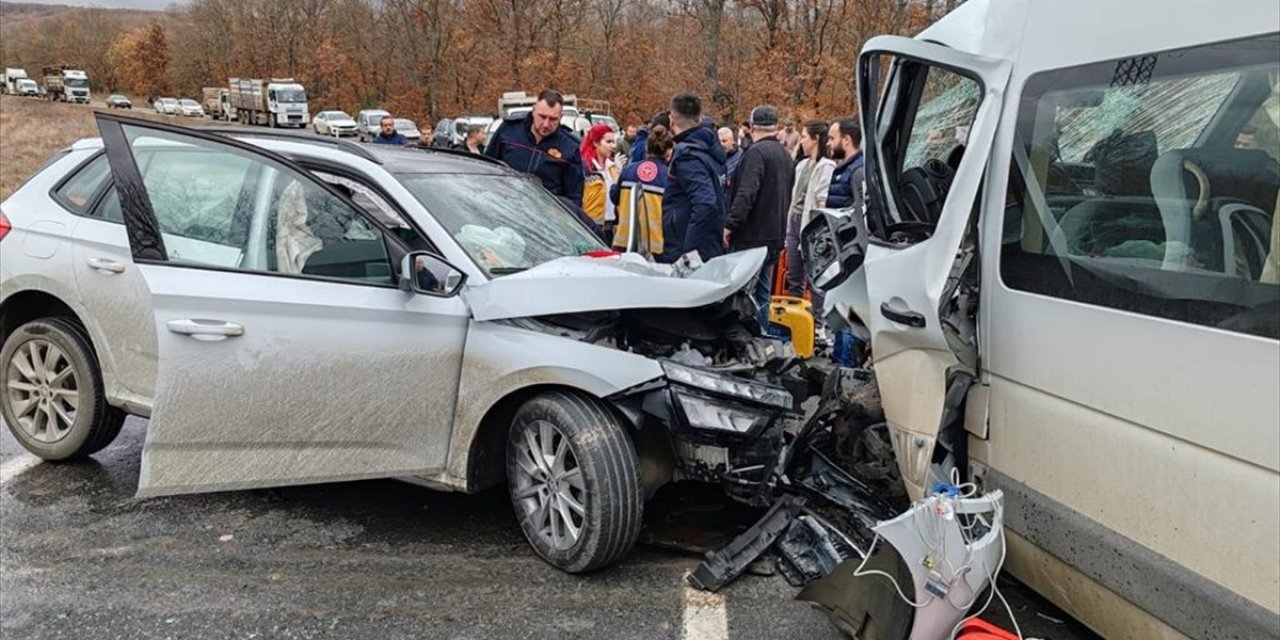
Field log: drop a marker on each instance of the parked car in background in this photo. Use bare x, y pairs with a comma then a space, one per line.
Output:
28, 88
408, 129
367, 123
460, 126
444, 134
117, 101
167, 106
190, 108
335, 123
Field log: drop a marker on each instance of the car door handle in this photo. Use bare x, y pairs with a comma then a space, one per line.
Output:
106, 266
902, 316
206, 329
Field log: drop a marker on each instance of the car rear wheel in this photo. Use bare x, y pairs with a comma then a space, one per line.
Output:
51, 392
574, 480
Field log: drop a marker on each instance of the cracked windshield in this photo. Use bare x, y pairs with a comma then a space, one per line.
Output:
505, 225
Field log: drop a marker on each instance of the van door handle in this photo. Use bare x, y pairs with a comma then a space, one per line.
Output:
902, 316
106, 266
208, 330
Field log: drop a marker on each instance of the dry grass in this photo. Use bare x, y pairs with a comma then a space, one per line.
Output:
31, 130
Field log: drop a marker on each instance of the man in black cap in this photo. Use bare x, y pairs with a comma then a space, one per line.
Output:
759, 199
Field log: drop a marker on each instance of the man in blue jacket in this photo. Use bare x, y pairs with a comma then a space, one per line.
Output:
693, 205
387, 133
537, 144
844, 141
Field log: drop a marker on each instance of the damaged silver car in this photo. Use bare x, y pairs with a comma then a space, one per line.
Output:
295, 310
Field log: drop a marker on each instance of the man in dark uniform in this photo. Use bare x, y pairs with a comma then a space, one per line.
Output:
536, 144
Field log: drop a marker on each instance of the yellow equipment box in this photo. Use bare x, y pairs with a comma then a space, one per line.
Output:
796, 315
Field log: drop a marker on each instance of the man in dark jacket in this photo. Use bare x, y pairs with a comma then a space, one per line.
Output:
537, 144
845, 144
642, 136
693, 205
387, 133
759, 200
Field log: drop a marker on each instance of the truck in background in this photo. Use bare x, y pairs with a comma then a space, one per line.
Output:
217, 103
67, 84
276, 102
515, 104
11, 77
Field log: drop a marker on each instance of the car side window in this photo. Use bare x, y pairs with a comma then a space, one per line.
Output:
77, 193
217, 205
1151, 185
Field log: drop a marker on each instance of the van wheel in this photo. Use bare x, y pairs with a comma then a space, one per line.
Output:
574, 479
51, 392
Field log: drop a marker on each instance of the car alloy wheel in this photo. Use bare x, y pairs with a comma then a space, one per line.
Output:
549, 486
43, 390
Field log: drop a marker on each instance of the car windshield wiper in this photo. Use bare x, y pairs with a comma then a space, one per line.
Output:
502, 271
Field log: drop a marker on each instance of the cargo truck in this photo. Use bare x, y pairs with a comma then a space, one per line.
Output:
217, 103
11, 77
66, 84
276, 102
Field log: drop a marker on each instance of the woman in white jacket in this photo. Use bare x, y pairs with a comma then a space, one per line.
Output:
813, 178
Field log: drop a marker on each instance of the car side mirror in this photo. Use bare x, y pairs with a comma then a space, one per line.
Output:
427, 273
833, 244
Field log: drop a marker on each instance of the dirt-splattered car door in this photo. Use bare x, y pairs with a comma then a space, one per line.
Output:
287, 352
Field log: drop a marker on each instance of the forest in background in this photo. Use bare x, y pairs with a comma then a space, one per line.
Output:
429, 59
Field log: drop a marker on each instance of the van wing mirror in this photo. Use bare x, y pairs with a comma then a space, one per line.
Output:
427, 273
833, 244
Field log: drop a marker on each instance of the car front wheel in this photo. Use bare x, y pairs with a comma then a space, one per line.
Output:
51, 392
574, 480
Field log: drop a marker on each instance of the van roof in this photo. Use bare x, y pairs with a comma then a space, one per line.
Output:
1049, 35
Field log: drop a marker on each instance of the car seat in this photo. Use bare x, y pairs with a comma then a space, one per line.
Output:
1218, 202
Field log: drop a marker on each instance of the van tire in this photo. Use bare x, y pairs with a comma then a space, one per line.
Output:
600, 456
95, 425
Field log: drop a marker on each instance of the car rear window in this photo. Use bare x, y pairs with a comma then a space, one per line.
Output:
78, 192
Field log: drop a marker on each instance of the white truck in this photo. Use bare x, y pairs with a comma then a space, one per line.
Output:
66, 84
276, 102
11, 77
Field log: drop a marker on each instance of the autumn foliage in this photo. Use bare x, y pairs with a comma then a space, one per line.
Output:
429, 59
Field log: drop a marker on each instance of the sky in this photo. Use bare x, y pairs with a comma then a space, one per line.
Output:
112, 4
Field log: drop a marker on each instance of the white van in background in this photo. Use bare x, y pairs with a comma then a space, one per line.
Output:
1069, 276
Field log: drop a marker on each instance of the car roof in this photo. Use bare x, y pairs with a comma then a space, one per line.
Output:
395, 160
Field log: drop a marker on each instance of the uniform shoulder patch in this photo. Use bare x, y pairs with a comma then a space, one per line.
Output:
647, 171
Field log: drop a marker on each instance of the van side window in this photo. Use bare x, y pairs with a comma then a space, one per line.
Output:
1151, 185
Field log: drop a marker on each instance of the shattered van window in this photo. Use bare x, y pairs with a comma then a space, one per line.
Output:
1146, 185
505, 224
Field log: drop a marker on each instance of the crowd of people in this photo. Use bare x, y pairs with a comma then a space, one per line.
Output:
691, 185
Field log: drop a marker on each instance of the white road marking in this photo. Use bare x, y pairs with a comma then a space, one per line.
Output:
10, 469
705, 617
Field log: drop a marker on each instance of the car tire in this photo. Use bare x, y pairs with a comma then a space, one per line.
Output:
590, 480
66, 353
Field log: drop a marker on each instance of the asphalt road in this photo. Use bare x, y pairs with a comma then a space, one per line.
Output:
80, 557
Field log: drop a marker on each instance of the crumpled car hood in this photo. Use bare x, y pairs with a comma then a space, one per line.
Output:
627, 281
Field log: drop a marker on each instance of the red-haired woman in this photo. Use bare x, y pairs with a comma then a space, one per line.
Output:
598, 147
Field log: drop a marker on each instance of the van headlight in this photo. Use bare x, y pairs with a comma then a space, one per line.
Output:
833, 244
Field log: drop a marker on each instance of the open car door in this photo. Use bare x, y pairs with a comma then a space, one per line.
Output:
287, 354
927, 145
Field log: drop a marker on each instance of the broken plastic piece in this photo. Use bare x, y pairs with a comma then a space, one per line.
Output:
720, 567
811, 550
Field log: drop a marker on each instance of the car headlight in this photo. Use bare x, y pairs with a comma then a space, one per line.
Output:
833, 244
715, 414
728, 386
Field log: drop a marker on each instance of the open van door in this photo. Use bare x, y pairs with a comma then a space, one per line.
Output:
927, 145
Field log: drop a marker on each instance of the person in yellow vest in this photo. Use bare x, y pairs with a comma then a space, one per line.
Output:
638, 196
598, 147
